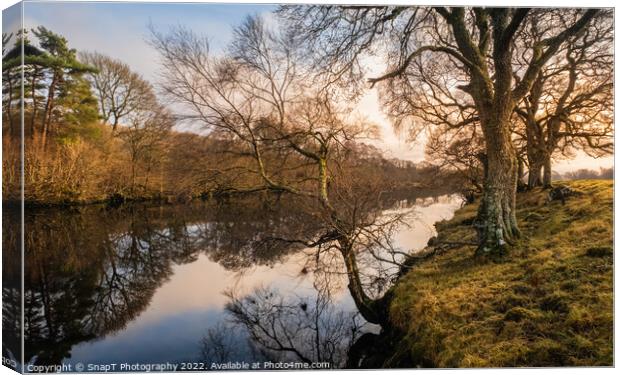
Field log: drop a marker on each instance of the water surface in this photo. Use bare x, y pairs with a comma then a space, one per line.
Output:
147, 284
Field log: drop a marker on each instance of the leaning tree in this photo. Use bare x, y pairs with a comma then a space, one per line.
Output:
476, 44
294, 138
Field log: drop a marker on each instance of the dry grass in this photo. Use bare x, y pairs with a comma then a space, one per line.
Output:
550, 303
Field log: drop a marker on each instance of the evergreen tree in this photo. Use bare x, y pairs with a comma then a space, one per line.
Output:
52, 76
76, 112
61, 68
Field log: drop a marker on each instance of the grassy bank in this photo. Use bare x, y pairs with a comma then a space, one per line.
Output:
549, 303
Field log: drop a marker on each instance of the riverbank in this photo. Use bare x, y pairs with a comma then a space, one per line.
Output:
111, 201
549, 303
118, 200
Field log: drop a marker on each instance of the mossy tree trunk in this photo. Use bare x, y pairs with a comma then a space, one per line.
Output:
481, 42
535, 143
535, 160
497, 221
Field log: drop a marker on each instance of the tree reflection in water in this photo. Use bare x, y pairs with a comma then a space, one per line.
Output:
89, 271
310, 329
11, 289
299, 329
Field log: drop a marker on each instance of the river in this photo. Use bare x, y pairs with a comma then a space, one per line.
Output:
189, 284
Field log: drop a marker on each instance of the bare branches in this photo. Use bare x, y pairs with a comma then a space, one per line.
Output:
568, 105
347, 35
258, 95
515, 22
402, 68
540, 54
120, 91
306, 329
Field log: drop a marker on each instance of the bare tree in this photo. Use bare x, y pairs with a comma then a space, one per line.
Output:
307, 329
475, 43
120, 91
219, 345
144, 134
126, 99
260, 97
569, 104
583, 174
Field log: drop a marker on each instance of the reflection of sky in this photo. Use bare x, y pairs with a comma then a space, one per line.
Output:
425, 214
171, 338
185, 307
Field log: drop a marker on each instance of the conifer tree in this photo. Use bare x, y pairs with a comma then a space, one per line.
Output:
52, 76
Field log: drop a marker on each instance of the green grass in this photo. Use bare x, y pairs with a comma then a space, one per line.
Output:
549, 303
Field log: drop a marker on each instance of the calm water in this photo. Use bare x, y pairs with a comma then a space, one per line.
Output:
152, 285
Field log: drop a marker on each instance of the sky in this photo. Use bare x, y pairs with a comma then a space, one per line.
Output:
120, 30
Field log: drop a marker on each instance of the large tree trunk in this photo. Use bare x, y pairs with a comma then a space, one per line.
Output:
535, 157
534, 178
497, 222
547, 174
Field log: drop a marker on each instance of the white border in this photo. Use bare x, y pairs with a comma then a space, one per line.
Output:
546, 3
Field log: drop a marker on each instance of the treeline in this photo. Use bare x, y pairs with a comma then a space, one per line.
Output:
589, 174
95, 131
